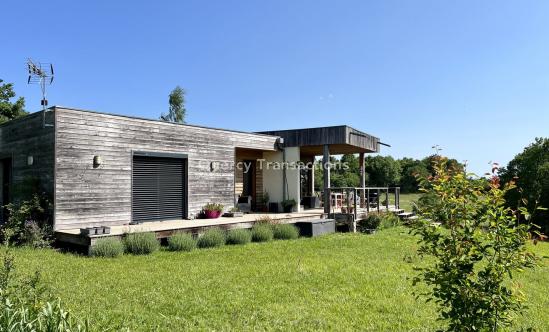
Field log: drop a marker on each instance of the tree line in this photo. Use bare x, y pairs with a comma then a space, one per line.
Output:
381, 171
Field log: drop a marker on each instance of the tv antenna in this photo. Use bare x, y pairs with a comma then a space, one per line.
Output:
436, 148
42, 74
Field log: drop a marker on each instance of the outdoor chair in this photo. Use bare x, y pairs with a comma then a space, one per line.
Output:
245, 204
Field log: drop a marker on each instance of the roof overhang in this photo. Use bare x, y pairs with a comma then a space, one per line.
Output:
340, 139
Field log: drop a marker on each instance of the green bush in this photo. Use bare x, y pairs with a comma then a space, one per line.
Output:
213, 237
474, 254
29, 222
181, 242
285, 232
388, 220
239, 236
141, 243
377, 221
108, 247
371, 222
262, 233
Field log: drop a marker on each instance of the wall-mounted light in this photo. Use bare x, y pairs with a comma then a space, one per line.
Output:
97, 161
30, 160
214, 166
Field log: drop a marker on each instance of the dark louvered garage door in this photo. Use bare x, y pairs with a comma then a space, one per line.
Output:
158, 188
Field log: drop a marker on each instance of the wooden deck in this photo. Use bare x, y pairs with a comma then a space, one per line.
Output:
164, 229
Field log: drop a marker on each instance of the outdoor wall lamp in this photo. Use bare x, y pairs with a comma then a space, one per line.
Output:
97, 161
30, 160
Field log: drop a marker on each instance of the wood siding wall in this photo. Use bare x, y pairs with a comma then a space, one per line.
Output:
26, 137
87, 196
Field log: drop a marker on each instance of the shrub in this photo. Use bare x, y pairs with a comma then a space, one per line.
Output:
181, 242
262, 232
141, 243
108, 247
476, 250
29, 222
213, 237
371, 222
285, 232
239, 236
388, 220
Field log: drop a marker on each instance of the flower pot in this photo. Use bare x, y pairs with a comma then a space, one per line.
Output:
288, 208
212, 214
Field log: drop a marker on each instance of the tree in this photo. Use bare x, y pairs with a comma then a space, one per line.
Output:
347, 176
382, 171
177, 109
451, 164
530, 170
476, 248
9, 110
411, 171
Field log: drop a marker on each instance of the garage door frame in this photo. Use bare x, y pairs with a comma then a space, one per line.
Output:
184, 158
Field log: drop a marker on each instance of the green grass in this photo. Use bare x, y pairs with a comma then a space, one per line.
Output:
406, 201
337, 282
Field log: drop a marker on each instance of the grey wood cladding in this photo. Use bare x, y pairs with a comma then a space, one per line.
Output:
27, 137
87, 196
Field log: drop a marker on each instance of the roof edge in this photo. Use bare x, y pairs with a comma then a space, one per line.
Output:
156, 120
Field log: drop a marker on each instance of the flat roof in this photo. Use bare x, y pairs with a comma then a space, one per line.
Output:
153, 120
340, 139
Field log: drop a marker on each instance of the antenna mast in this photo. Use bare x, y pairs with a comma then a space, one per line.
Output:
42, 74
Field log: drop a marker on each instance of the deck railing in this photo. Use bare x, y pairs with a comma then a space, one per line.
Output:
369, 198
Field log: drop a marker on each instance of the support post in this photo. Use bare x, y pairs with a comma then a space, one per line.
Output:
312, 178
362, 178
326, 168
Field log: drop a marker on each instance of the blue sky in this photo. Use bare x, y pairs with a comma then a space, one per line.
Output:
471, 76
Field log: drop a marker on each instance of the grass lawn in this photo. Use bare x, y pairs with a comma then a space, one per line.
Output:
406, 201
336, 282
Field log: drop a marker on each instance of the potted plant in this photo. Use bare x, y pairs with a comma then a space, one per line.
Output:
288, 205
264, 201
234, 212
212, 210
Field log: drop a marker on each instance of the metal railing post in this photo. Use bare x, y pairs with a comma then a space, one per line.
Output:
354, 199
368, 202
378, 199
387, 199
